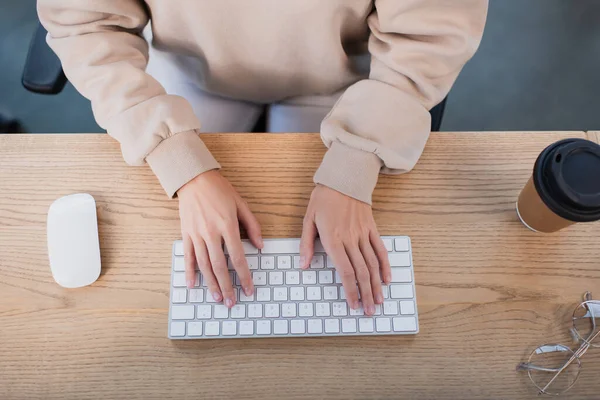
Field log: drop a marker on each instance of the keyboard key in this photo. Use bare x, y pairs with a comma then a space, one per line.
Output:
196, 295
229, 328
179, 279
386, 291
221, 311
389, 244
305, 310
407, 307
405, 324
259, 278
179, 296
330, 293
399, 259
296, 293
313, 293
342, 293
288, 310
390, 307
255, 311
401, 291
238, 311
323, 310
365, 325
401, 244
338, 278
292, 278
178, 264
197, 279
309, 277
280, 294
377, 309
267, 262
177, 329
272, 310
263, 327
297, 326
340, 309
329, 262
297, 262
280, 327
263, 294
194, 328
246, 328
252, 262
319, 246
325, 277
281, 246
358, 311
284, 262
211, 328
178, 248
244, 299
383, 324
349, 325
276, 278
317, 262
401, 275
332, 326
182, 312
248, 248
315, 326
204, 312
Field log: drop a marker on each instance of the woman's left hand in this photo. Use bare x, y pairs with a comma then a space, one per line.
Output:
349, 235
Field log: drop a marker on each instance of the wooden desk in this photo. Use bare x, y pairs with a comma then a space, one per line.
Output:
488, 289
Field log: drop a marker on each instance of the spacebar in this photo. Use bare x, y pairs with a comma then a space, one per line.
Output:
278, 246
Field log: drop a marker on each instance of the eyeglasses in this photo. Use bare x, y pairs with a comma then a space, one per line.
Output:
554, 368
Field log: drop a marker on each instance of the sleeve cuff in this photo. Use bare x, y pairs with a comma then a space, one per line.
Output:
349, 171
179, 159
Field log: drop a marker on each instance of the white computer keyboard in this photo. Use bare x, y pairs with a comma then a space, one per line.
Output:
290, 302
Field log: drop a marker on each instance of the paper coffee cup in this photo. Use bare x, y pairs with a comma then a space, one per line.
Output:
564, 188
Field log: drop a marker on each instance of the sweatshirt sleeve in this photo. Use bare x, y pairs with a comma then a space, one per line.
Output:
104, 56
381, 124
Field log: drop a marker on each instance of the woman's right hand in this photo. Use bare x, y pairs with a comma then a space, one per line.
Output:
210, 208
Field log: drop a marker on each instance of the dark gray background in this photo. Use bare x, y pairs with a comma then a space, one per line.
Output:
537, 69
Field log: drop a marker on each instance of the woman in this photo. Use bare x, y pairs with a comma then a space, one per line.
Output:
217, 62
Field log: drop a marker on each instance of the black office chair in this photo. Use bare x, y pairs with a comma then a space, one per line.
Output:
43, 74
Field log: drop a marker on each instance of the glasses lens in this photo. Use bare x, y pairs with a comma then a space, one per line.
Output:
586, 321
545, 363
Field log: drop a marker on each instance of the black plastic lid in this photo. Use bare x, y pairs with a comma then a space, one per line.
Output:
567, 178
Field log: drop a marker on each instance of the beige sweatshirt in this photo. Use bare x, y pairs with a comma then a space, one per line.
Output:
264, 51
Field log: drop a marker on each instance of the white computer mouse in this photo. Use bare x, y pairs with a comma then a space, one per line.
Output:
73, 245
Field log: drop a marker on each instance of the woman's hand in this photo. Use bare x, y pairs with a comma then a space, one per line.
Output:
349, 235
209, 208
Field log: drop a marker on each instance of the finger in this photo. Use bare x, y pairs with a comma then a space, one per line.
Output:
307, 242
219, 267
373, 265
250, 223
190, 261
238, 258
206, 268
363, 277
344, 268
382, 256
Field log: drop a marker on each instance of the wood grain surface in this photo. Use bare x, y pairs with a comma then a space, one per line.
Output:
489, 290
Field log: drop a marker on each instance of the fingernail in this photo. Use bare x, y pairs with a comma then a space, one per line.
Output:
379, 299
371, 310
261, 243
190, 283
248, 291
302, 261
217, 296
229, 303
355, 305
